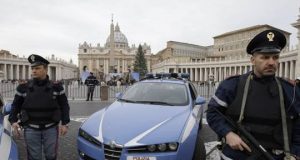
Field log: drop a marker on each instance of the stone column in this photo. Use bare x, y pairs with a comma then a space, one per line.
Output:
196, 75
118, 65
280, 69
297, 25
293, 67
57, 73
11, 72
5, 71
220, 74
285, 69
23, 72
18, 72
200, 74
205, 74
192, 74
97, 66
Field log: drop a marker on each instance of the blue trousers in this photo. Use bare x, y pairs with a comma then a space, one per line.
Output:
41, 142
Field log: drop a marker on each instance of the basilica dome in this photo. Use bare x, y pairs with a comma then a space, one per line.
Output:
119, 37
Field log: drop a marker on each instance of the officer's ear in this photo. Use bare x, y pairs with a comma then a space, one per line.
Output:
252, 59
46, 67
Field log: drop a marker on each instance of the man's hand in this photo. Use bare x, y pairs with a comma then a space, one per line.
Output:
63, 129
16, 129
235, 142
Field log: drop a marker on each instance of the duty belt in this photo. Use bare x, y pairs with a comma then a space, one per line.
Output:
41, 126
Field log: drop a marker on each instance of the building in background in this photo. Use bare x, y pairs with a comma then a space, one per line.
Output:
13, 67
116, 56
226, 57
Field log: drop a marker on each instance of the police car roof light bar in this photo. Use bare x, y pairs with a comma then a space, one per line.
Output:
179, 76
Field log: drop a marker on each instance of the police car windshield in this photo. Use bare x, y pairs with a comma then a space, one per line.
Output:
157, 93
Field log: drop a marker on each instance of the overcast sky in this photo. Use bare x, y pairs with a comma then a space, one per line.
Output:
57, 27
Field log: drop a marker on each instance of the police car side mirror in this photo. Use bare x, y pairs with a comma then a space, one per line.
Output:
200, 100
119, 95
6, 109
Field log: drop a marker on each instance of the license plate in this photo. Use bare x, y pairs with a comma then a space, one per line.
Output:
140, 158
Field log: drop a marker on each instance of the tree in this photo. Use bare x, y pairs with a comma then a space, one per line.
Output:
140, 64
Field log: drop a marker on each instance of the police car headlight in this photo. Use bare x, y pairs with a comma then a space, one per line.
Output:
89, 138
151, 148
173, 146
163, 147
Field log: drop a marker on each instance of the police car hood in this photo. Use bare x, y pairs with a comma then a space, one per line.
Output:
133, 124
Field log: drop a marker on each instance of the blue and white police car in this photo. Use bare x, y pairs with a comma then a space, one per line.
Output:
158, 118
8, 148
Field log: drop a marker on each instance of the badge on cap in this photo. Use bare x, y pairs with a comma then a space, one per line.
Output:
270, 36
32, 58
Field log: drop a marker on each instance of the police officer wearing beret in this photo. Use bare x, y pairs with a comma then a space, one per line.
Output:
40, 107
266, 105
91, 82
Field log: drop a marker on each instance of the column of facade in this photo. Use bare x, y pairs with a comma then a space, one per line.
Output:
191, 74
11, 72
200, 74
56, 73
289, 65
216, 74
18, 72
220, 74
118, 69
235, 70
107, 66
28, 72
285, 69
98, 65
104, 66
196, 75
23, 71
205, 74
293, 66
280, 69
125, 65
5, 71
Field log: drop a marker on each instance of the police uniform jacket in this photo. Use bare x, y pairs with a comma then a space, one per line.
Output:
52, 92
91, 81
226, 93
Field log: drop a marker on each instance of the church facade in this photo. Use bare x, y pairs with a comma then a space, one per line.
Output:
116, 56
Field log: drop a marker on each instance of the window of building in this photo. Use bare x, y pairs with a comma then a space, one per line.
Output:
84, 50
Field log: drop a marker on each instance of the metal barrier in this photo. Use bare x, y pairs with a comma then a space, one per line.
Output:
76, 91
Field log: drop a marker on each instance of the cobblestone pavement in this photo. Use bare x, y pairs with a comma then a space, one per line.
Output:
80, 110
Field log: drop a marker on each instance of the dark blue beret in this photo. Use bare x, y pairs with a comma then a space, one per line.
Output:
37, 60
268, 41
